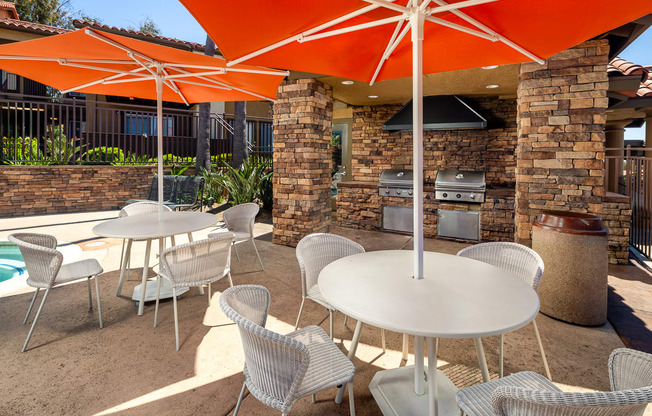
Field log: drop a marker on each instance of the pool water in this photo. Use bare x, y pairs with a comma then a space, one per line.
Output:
11, 262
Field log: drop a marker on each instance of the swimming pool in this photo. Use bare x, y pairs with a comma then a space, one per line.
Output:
11, 262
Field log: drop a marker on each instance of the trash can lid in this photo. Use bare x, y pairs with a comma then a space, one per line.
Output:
571, 222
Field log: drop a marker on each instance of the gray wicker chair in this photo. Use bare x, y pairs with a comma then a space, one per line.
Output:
314, 252
136, 208
45, 270
530, 394
239, 220
194, 264
280, 369
522, 262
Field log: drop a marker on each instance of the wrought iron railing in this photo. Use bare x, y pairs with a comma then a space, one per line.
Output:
37, 130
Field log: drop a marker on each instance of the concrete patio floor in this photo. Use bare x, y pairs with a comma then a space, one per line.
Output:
131, 368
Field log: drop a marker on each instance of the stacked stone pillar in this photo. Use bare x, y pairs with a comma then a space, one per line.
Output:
303, 117
560, 150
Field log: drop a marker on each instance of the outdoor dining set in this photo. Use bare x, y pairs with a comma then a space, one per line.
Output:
486, 289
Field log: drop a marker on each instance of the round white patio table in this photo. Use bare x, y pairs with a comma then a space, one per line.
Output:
457, 298
149, 227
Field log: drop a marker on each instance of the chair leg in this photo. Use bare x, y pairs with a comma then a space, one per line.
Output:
208, 297
173, 241
237, 405
158, 296
190, 237
314, 398
331, 323
382, 338
235, 248
501, 356
351, 401
345, 318
124, 267
90, 298
31, 305
259, 260
543, 353
176, 316
230, 280
303, 300
406, 346
38, 313
99, 305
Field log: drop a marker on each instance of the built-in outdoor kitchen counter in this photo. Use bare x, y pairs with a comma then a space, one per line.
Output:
360, 206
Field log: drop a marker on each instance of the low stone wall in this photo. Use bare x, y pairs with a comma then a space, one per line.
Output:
359, 206
617, 217
37, 190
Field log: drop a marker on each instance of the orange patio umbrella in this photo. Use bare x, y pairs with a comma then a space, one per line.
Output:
375, 40
96, 62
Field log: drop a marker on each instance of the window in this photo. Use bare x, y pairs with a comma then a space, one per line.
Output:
9, 81
142, 124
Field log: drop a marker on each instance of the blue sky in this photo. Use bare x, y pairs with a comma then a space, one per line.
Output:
175, 22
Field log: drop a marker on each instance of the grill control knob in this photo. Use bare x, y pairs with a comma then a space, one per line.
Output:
445, 195
472, 196
398, 192
387, 191
409, 191
458, 196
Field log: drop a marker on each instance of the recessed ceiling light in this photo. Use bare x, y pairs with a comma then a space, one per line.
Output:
347, 82
493, 86
373, 96
490, 67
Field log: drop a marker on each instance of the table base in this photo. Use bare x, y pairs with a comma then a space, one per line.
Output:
150, 292
393, 391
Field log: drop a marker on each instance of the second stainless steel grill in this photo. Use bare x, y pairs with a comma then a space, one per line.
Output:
457, 185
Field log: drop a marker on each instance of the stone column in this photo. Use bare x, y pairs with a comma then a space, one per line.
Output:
560, 149
303, 117
614, 138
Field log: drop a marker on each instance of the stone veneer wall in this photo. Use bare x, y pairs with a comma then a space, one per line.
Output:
561, 116
491, 150
617, 217
303, 117
37, 190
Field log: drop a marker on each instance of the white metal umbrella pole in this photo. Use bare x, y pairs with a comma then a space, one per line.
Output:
159, 127
417, 21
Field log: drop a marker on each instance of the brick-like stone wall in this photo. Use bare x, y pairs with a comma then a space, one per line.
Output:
491, 150
561, 115
359, 206
617, 217
37, 190
303, 117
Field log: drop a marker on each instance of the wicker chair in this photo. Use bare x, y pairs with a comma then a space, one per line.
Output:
239, 220
522, 262
45, 270
137, 208
194, 264
530, 394
314, 252
280, 369
169, 184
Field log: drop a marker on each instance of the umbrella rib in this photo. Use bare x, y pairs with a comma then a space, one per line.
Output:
103, 80
115, 44
291, 39
51, 59
174, 86
493, 33
245, 70
389, 49
218, 84
461, 28
355, 28
65, 62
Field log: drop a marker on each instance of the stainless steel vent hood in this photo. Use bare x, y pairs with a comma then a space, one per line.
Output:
440, 112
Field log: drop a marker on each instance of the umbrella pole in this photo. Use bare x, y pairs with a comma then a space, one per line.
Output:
159, 128
417, 20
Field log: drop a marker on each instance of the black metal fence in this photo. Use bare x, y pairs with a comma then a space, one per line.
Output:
36, 131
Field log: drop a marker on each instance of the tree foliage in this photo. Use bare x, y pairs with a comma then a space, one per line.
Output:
148, 26
58, 13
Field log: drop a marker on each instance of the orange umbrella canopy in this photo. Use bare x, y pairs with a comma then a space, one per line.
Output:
481, 34
102, 63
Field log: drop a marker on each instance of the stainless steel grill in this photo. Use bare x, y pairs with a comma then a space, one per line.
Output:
394, 182
457, 185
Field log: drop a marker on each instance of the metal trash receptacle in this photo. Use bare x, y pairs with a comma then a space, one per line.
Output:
574, 249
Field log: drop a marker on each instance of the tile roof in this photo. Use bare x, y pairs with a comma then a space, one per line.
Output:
619, 66
31, 27
140, 35
9, 6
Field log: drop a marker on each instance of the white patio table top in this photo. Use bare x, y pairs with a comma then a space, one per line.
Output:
458, 298
149, 227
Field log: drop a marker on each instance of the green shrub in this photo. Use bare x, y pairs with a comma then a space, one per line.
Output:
103, 154
21, 151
